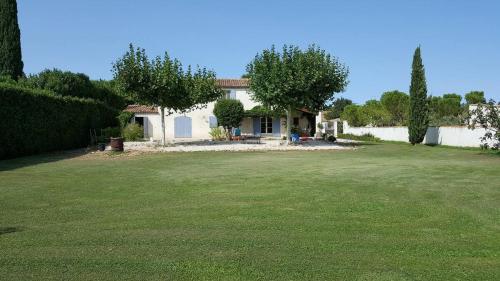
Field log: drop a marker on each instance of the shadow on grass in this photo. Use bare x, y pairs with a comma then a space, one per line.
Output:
16, 163
9, 229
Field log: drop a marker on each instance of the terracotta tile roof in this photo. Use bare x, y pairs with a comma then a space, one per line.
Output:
136, 108
233, 83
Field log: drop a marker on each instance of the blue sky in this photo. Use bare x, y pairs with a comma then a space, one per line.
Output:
460, 40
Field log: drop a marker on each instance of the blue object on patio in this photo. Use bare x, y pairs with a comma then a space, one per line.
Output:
237, 132
295, 138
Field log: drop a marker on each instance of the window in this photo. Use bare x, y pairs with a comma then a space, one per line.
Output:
266, 125
230, 94
212, 120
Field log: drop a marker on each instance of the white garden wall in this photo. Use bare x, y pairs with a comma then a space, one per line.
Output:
452, 136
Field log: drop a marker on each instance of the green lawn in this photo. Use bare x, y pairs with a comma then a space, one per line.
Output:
382, 212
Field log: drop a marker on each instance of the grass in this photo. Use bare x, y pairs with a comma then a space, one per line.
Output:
382, 212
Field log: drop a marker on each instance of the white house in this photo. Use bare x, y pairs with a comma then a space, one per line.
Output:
198, 123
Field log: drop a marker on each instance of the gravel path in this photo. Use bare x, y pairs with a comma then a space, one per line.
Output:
265, 145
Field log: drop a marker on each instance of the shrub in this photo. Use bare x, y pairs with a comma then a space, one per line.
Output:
229, 113
110, 132
331, 139
133, 132
364, 137
35, 121
217, 134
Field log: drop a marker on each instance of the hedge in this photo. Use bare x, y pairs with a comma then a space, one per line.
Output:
34, 121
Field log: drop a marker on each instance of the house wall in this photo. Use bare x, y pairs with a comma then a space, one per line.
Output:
152, 125
200, 122
460, 136
245, 98
200, 118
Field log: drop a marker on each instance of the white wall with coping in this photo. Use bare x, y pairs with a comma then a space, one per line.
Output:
460, 136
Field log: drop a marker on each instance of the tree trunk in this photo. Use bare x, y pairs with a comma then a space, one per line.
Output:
162, 112
288, 124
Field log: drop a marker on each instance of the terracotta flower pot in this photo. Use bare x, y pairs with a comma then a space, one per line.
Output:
116, 144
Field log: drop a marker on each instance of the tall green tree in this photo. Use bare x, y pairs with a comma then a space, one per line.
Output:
337, 108
396, 103
419, 107
11, 63
296, 78
164, 83
475, 97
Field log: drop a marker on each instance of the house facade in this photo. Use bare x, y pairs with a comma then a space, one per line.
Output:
197, 124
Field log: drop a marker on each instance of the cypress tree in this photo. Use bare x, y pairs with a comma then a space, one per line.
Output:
419, 107
11, 63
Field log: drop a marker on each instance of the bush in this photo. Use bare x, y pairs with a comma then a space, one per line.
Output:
217, 134
110, 132
364, 137
66, 83
35, 121
331, 139
229, 113
133, 132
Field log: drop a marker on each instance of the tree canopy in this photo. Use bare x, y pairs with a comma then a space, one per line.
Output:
337, 108
11, 63
354, 115
397, 104
295, 78
475, 97
163, 82
445, 110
